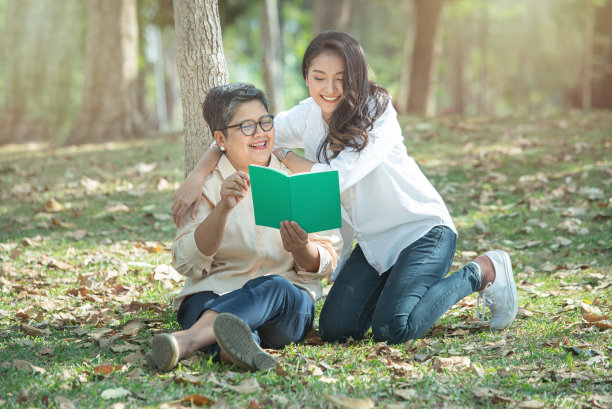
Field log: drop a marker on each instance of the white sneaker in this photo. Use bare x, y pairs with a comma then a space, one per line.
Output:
500, 295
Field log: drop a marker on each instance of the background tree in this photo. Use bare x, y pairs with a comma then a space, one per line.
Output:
201, 66
602, 57
427, 14
109, 108
330, 15
272, 55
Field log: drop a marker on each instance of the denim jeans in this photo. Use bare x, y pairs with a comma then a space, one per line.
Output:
405, 301
277, 311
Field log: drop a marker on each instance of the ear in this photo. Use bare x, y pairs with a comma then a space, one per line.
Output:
220, 139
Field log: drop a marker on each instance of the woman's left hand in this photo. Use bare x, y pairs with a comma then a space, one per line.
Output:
293, 236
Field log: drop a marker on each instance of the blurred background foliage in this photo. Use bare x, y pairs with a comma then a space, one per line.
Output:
489, 57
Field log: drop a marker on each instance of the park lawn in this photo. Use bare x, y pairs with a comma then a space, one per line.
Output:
85, 235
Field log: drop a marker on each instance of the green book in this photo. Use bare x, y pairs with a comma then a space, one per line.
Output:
310, 199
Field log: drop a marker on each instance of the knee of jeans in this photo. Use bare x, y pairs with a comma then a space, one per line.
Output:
392, 331
333, 328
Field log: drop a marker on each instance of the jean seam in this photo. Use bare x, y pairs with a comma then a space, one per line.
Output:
407, 282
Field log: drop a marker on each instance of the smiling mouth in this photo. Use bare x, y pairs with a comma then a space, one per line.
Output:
330, 99
259, 145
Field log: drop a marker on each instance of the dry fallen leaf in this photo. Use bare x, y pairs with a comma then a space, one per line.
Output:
106, 369
345, 402
198, 400
53, 206
451, 363
64, 403
248, 385
531, 404
115, 393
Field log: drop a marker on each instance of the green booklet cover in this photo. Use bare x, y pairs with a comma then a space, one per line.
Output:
310, 199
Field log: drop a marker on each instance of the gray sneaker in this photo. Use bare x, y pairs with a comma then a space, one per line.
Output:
236, 339
500, 295
164, 353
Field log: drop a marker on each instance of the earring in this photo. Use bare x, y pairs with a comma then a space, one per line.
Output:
223, 149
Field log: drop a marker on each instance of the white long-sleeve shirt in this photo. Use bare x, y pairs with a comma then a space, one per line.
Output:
387, 202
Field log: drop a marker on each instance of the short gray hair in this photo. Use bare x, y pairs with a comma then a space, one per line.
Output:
222, 102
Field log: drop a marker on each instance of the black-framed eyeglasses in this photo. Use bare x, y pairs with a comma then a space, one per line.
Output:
249, 127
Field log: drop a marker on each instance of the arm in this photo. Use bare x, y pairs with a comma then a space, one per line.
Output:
190, 191
295, 240
209, 234
197, 241
295, 162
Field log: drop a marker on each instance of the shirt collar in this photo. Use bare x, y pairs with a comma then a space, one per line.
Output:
227, 169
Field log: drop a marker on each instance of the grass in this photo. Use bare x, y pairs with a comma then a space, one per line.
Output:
84, 231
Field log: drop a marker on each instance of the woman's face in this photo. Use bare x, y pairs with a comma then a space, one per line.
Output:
324, 82
243, 150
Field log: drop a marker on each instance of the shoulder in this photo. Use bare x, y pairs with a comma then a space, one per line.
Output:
305, 107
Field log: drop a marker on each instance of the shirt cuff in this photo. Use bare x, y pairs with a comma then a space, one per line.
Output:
325, 261
201, 262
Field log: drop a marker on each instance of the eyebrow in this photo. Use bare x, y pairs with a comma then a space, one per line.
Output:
323, 72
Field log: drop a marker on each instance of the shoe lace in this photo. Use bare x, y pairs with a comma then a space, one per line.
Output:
484, 306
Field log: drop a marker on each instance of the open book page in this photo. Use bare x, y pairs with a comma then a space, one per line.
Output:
310, 199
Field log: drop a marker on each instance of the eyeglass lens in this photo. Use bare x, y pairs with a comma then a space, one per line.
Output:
249, 127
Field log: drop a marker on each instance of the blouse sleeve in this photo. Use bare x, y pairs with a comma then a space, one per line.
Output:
353, 166
187, 259
288, 128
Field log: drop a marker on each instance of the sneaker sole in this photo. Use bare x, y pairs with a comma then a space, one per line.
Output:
164, 353
236, 339
511, 286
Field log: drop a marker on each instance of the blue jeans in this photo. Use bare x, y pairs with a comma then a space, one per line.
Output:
405, 301
277, 311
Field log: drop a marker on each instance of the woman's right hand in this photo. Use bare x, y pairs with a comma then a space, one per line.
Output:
234, 189
189, 194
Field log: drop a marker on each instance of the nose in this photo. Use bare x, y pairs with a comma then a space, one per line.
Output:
331, 86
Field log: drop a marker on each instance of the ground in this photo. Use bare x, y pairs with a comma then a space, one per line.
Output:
84, 248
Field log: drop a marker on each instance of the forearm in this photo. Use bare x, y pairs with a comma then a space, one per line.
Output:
207, 163
308, 257
209, 234
295, 162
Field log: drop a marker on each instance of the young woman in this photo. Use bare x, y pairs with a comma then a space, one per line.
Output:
394, 280
246, 285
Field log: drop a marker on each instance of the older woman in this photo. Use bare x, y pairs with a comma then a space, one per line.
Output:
246, 285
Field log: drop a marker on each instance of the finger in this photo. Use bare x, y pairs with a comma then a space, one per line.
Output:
245, 176
194, 209
292, 233
298, 229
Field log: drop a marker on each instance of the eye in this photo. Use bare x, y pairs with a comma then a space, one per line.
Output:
248, 126
318, 79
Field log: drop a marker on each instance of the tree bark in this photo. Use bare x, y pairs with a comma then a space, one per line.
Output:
330, 15
427, 17
602, 58
201, 66
272, 56
109, 108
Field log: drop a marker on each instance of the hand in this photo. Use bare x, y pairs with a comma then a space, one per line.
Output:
293, 236
189, 194
234, 189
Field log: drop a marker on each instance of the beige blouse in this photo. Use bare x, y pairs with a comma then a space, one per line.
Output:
247, 250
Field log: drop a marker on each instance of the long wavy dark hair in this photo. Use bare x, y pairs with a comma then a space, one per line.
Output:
362, 103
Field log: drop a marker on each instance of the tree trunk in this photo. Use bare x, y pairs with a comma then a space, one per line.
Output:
108, 108
22, 33
602, 58
272, 56
457, 66
330, 15
587, 58
201, 66
427, 17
